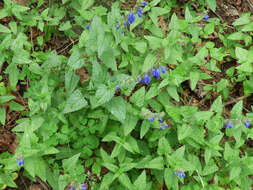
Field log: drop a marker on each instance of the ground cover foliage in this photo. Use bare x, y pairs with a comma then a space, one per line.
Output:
125, 94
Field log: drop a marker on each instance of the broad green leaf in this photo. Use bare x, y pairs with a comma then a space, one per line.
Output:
209, 169
236, 110
7, 179
244, 19
2, 116
163, 146
217, 105
144, 128
108, 58
184, 131
117, 107
4, 99
70, 163
138, 97
129, 124
107, 180
194, 77
170, 179
140, 46
172, 91
104, 94
140, 182
4, 29
234, 172
75, 102
65, 26
245, 67
188, 16
203, 115
71, 81
124, 180
149, 62
16, 107
211, 4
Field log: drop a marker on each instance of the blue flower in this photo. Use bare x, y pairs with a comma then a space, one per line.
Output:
140, 12
20, 162
146, 79
161, 120
153, 72
166, 125
144, 3
180, 174
206, 17
71, 188
229, 125
162, 127
152, 119
149, 119
87, 27
84, 186
131, 18
117, 87
157, 73
123, 33
125, 23
140, 80
247, 124
163, 69
117, 27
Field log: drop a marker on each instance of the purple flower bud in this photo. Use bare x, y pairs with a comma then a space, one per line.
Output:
149, 119
163, 69
84, 186
152, 119
162, 127
154, 72
229, 125
161, 120
146, 79
125, 23
117, 27
140, 80
166, 125
247, 124
20, 162
157, 73
140, 12
144, 3
131, 18
71, 188
117, 87
123, 33
206, 17
87, 27
149, 79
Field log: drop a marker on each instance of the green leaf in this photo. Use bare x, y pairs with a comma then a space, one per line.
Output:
71, 81
194, 76
140, 46
4, 99
108, 58
65, 26
124, 180
16, 107
70, 163
236, 111
104, 94
211, 4
170, 179
138, 97
245, 67
35, 166
144, 128
149, 62
75, 102
163, 146
203, 115
234, 172
183, 132
107, 180
2, 116
156, 163
188, 16
244, 19
129, 124
117, 107
217, 105
140, 182
7, 179
172, 91
4, 29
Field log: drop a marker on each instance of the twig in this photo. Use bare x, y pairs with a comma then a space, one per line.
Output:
235, 100
72, 43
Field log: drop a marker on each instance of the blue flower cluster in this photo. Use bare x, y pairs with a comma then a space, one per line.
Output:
83, 187
20, 161
179, 174
155, 73
230, 125
206, 17
165, 125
